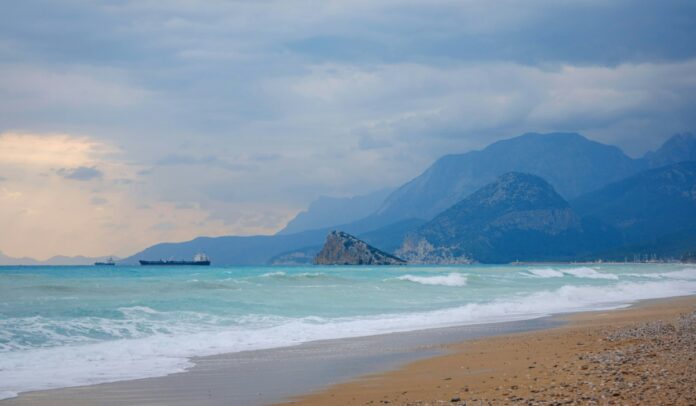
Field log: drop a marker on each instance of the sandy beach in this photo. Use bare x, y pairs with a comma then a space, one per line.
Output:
640, 355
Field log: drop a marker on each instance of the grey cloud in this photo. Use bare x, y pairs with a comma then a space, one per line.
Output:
186, 206
81, 173
369, 142
264, 157
208, 160
279, 102
179, 159
164, 226
98, 201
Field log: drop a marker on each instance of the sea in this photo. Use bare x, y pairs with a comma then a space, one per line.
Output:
68, 326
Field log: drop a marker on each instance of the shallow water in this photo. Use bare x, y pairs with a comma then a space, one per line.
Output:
101, 324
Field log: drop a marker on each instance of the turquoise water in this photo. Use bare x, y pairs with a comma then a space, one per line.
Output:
67, 326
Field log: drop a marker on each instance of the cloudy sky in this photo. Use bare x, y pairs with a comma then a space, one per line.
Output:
124, 123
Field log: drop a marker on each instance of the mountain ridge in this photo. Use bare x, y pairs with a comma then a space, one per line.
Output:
516, 217
570, 162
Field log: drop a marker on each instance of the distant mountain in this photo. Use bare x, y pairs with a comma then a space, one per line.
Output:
677, 245
390, 237
332, 211
344, 249
56, 260
679, 148
232, 250
517, 217
570, 162
5, 260
648, 205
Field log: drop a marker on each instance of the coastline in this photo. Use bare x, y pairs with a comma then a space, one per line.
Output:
621, 356
352, 371
268, 376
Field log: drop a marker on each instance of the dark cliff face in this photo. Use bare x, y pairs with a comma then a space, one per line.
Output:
517, 217
344, 249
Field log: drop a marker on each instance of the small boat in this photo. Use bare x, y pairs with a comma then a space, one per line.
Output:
108, 262
198, 259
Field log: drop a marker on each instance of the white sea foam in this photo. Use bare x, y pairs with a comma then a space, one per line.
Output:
301, 275
584, 272
452, 279
7, 394
147, 341
579, 272
545, 273
686, 274
165, 352
272, 274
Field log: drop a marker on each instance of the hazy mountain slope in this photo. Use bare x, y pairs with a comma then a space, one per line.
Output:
331, 211
517, 217
669, 246
254, 250
56, 260
298, 248
650, 204
390, 237
679, 148
569, 162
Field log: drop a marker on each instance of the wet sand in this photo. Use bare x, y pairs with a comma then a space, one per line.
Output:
645, 354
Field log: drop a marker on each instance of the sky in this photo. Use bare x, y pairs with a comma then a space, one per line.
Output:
126, 123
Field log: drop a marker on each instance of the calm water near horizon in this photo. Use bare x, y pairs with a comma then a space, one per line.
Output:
67, 326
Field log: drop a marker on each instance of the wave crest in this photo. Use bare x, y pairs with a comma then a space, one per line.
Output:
453, 279
580, 272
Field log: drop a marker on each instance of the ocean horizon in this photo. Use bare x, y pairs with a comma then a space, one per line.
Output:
106, 324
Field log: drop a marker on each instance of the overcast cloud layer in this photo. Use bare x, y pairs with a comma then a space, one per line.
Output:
130, 122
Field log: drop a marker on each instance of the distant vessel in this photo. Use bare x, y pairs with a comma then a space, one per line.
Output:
198, 259
108, 262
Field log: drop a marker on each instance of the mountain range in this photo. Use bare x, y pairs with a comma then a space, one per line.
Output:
56, 260
593, 189
571, 163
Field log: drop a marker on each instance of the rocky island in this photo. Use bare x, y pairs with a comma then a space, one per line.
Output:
343, 249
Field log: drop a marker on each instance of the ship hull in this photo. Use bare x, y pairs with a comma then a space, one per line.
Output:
170, 263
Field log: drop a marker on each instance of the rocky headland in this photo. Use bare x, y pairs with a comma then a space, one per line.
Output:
343, 249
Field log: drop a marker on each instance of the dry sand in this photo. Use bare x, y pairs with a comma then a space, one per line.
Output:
640, 355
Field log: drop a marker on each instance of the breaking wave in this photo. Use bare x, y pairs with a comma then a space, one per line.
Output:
580, 272
453, 279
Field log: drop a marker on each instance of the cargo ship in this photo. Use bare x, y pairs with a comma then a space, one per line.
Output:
198, 259
108, 262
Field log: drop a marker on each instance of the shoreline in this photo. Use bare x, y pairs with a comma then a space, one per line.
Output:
309, 372
620, 356
268, 376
